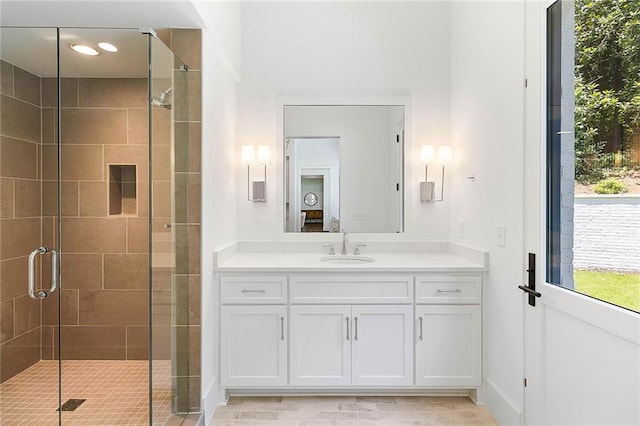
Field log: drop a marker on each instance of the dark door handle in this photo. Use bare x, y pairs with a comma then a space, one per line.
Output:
530, 289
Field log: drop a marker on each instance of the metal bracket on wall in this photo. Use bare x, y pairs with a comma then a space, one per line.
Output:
149, 31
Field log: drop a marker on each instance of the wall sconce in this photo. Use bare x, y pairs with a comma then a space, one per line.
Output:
427, 156
248, 157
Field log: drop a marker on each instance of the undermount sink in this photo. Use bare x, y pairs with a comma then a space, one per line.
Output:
347, 260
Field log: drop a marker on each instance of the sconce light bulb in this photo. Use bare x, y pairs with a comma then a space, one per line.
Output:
427, 154
248, 155
444, 155
264, 154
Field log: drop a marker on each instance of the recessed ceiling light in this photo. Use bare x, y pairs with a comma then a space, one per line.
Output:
108, 47
84, 49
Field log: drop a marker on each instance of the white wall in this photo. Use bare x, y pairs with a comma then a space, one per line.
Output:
220, 51
354, 51
487, 83
223, 20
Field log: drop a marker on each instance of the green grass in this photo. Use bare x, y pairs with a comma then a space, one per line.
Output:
617, 288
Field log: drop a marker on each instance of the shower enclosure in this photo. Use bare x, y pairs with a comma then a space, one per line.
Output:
94, 242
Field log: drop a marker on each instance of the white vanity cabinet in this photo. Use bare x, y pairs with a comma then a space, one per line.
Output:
359, 345
449, 329
382, 345
368, 330
254, 341
321, 345
363, 324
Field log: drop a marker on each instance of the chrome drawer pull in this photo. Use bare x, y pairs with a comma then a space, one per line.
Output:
347, 328
457, 290
355, 334
420, 336
262, 290
281, 328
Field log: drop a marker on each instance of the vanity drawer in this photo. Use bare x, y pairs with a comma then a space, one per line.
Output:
253, 289
457, 289
328, 289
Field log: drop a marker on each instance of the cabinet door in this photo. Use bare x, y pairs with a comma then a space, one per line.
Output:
382, 346
253, 345
448, 348
320, 345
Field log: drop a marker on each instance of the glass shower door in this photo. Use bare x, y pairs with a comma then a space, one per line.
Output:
29, 212
104, 226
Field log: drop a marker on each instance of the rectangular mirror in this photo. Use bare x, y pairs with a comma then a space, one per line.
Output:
343, 168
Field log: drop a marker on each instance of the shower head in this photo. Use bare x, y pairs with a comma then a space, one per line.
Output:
163, 99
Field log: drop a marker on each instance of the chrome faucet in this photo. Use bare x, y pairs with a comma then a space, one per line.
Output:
332, 252
356, 251
345, 239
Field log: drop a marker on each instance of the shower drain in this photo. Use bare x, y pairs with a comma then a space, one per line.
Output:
71, 404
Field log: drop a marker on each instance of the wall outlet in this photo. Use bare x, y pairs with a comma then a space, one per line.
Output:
501, 235
461, 228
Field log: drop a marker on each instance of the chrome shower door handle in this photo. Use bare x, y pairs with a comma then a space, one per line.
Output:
31, 273
54, 271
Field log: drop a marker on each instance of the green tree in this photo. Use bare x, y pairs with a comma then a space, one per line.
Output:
607, 80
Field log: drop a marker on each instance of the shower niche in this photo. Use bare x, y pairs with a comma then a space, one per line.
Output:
123, 198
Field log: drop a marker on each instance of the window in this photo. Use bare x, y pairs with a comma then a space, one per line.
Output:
593, 149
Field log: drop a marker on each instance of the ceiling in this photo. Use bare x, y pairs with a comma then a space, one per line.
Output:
34, 49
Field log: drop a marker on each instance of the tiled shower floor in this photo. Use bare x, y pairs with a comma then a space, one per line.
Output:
116, 393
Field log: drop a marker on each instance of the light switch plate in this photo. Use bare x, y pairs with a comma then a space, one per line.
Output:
501, 235
461, 228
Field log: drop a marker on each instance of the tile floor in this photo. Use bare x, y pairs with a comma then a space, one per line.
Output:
116, 393
351, 411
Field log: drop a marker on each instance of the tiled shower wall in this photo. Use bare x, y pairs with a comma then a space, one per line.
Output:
20, 227
186, 45
105, 260
104, 267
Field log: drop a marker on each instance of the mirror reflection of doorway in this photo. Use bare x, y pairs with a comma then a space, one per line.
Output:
312, 193
312, 169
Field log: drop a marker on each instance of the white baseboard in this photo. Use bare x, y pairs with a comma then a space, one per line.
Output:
210, 399
501, 408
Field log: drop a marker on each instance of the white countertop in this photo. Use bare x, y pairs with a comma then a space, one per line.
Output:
414, 257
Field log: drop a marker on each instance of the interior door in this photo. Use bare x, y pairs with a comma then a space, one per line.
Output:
581, 354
